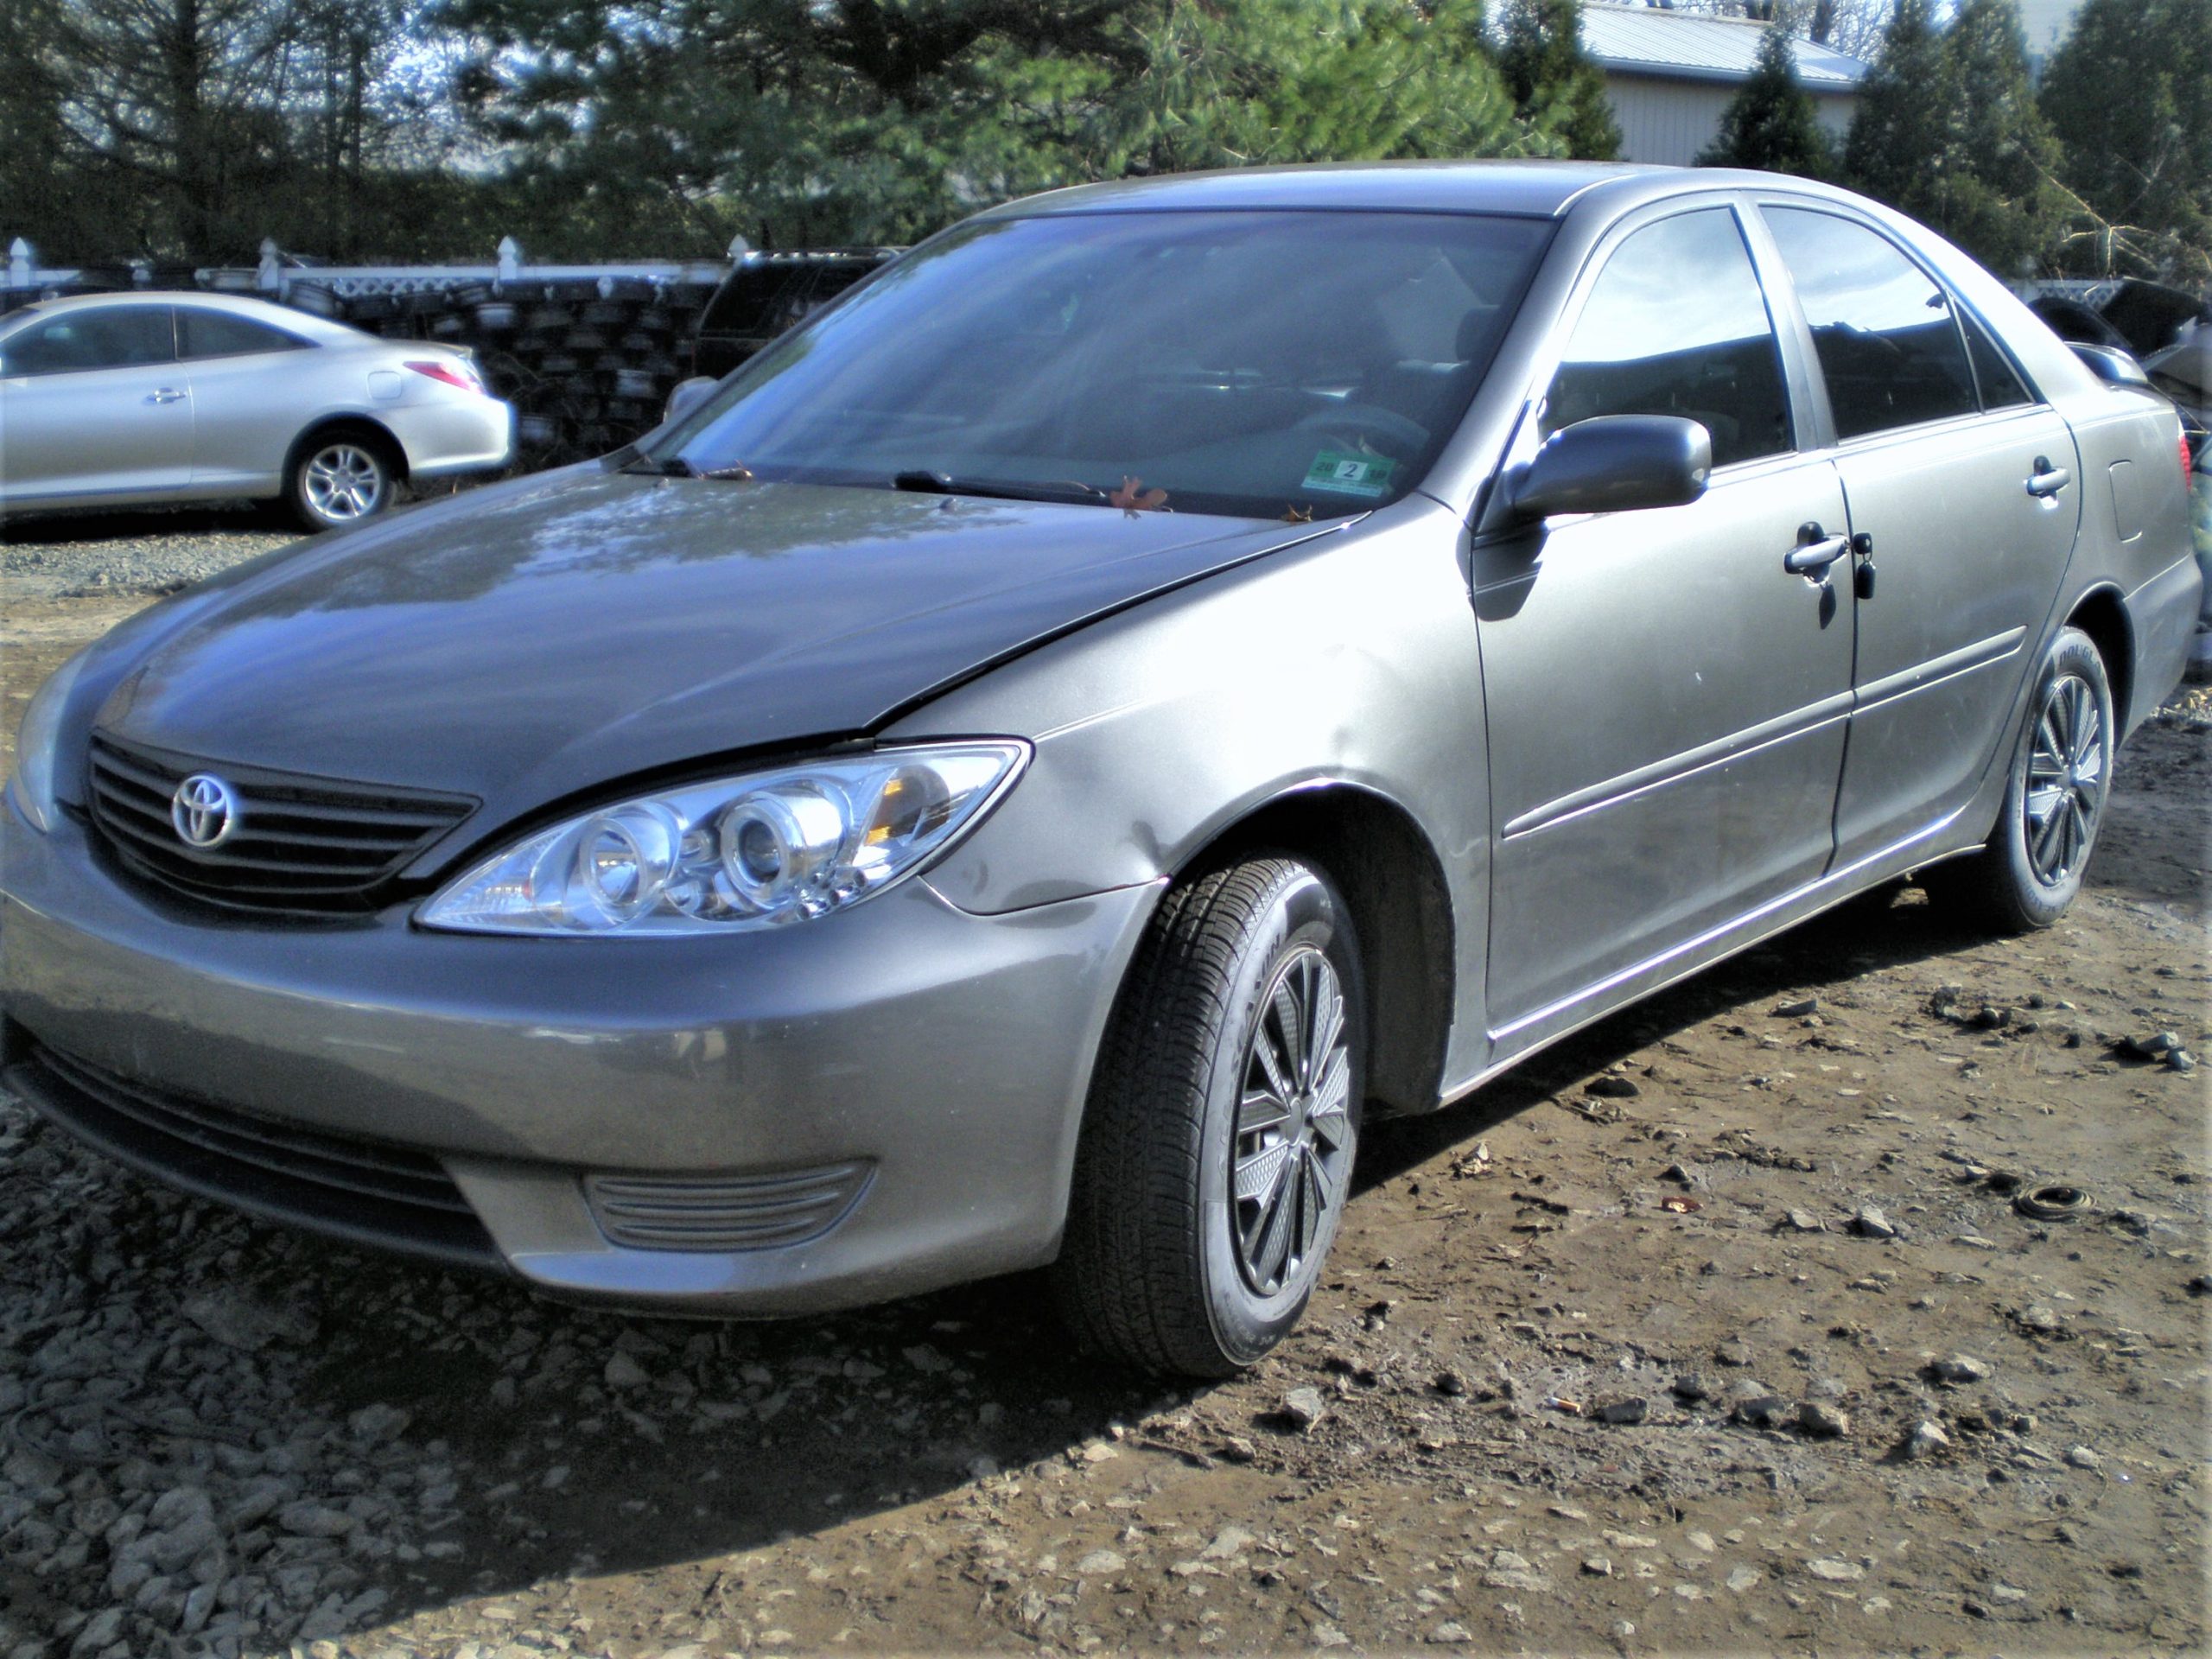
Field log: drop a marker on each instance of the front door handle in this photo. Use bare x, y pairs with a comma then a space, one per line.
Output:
166, 395
1815, 552
2048, 480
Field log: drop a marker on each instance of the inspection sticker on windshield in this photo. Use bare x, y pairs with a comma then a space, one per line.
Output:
1342, 475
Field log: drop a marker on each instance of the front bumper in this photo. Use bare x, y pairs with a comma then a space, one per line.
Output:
944, 1055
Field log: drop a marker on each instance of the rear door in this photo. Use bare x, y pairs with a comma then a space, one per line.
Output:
91, 403
1666, 703
1964, 501
248, 397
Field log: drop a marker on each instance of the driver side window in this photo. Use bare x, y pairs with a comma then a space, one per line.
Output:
1677, 325
116, 337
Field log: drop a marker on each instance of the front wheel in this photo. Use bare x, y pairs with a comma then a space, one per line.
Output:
1217, 1146
339, 478
2031, 869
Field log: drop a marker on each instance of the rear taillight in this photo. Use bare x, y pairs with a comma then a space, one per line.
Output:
453, 374
2188, 462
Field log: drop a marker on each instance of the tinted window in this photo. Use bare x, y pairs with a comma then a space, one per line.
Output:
217, 333
766, 298
2001, 387
1889, 350
119, 337
1676, 325
1252, 363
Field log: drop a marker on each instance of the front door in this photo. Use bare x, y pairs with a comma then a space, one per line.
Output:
1963, 494
92, 402
1667, 704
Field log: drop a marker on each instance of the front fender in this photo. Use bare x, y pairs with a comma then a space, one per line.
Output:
1351, 659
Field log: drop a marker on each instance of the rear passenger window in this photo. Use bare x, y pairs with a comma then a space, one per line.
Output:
218, 333
2001, 386
1889, 348
1676, 325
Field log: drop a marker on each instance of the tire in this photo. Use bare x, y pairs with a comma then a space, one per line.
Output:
340, 477
2030, 871
1203, 1078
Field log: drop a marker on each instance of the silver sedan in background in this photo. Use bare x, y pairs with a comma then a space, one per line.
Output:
131, 399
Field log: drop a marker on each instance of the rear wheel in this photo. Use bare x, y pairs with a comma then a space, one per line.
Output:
2031, 869
340, 477
1217, 1147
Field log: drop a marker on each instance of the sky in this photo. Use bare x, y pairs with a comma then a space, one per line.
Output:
2045, 22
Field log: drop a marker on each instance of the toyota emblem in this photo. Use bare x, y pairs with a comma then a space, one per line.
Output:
204, 811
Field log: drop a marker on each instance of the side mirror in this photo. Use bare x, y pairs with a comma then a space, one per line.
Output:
1613, 463
2111, 365
687, 397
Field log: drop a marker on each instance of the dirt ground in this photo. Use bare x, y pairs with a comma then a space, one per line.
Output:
1723, 1325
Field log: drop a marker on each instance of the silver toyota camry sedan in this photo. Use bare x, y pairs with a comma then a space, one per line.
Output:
141, 399
1157, 672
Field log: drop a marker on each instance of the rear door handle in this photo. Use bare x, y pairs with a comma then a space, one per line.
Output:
1815, 552
166, 395
2048, 480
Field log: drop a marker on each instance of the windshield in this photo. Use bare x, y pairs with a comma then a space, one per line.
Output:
1259, 363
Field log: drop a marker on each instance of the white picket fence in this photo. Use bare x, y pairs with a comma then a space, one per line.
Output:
277, 274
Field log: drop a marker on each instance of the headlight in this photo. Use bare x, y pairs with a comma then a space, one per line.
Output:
33, 784
758, 851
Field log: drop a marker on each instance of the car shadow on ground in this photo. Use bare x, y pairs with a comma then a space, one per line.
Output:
107, 524
1889, 926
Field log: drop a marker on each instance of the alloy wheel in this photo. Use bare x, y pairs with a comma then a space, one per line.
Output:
2065, 790
1291, 1153
344, 482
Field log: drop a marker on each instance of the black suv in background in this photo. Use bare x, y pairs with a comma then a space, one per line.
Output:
767, 293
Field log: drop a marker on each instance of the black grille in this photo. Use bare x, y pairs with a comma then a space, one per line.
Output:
364, 1191
301, 842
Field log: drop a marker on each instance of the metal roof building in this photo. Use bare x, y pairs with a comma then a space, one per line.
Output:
1670, 75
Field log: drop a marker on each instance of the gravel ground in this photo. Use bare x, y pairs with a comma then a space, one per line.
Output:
1728, 1324
141, 553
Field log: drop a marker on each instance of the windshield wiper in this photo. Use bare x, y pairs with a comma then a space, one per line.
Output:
922, 481
676, 467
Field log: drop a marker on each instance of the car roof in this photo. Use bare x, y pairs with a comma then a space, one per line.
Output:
277, 316
1539, 189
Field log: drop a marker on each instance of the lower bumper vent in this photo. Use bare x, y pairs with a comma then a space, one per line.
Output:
362, 1191
724, 1212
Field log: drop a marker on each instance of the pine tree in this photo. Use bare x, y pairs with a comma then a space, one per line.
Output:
2129, 94
2007, 210
1554, 85
1771, 124
1946, 130
1903, 139
1234, 83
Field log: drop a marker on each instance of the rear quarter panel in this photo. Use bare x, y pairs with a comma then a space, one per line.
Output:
2135, 533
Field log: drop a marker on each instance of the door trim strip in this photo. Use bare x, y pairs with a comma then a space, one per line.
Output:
1712, 935
1799, 722
1952, 663
1781, 728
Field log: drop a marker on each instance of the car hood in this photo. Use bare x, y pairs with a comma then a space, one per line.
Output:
544, 638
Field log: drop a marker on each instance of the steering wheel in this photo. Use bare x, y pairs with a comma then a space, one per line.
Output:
1349, 425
